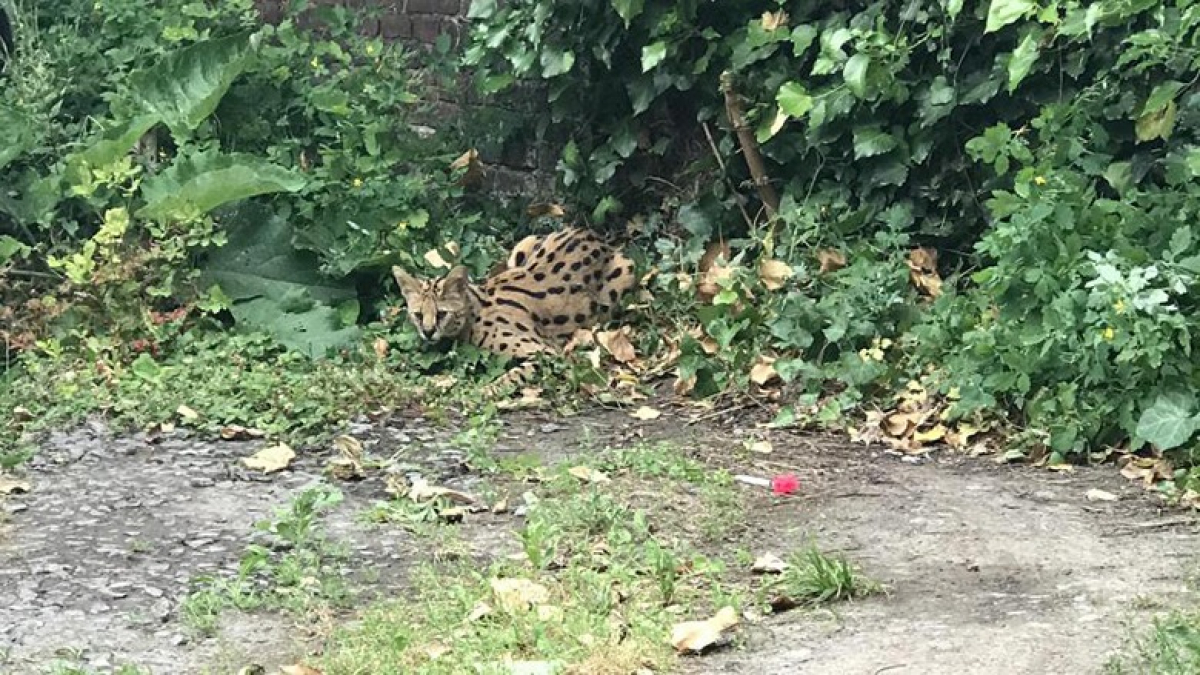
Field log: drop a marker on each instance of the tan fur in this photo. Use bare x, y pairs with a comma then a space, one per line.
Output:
553, 286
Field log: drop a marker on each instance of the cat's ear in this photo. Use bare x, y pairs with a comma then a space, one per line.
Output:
409, 285
457, 280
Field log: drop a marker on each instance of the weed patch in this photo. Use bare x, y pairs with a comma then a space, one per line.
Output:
294, 573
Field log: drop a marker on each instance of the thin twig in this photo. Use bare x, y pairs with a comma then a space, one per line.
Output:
754, 160
712, 144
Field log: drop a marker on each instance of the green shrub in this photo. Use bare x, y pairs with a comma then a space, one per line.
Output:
1047, 150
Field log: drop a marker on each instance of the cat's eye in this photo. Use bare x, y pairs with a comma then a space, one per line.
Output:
441, 315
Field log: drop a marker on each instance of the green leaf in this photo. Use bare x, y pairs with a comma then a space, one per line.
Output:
274, 288
1170, 421
481, 9
112, 145
653, 54
793, 99
185, 87
1162, 95
330, 100
146, 368
1193, 160
11, 248
1003, 12
628, 10
196, 185
855, 73
1181, 240
18, 134
1157, 124
953, 8
870, 141
1119, 175
1023, 58
802, 38
555, 63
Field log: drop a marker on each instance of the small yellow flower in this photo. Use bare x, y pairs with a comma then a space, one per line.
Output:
357, 182
1039, 180
314, 63
1108, 334
1119, 305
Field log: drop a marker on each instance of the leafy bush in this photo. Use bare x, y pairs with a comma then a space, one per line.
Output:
315, 130
1046, 149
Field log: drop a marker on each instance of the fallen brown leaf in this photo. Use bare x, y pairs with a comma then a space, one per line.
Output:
763, 370
696, 636
299, 669
237, 432
616, 342
187, 414
646, 413
381, 347
831, 260
518, 595
589, 475
421, 490
469, 160
774, 273
12, 486
270, 459
774, 20
768, 563
435, 259
922, 271
546, 209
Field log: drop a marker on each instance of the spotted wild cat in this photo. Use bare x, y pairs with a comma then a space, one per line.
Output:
553, 285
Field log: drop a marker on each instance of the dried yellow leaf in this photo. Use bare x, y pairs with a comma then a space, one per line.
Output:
516, 594
763, 370
589, 475
774, 273
831, 260
646, 413
270, 459
695, 636
616, 342
768, 563
435, 259
547, 209
774, 20
937, 433
11, 486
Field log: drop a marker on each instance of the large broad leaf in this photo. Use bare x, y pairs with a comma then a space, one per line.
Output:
855, 73
1003, 12
872, 140
112, 145
277, 289
1170, 421
793, 99
628, 9
1023, 58
193, 186
18, 134
186, 86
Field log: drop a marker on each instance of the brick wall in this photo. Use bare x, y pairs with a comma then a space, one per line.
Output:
522, 169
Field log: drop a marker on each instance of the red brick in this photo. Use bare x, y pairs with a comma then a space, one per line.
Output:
442, 7
395, 25
427, 28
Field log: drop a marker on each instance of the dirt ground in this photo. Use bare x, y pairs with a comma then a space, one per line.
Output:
989, 568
